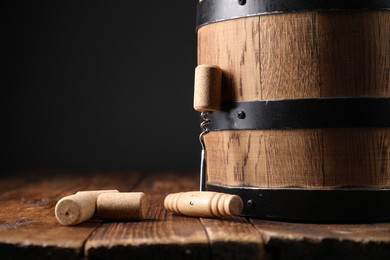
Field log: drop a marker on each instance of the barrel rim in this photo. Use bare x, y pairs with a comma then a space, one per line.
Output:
210, 11
317, 205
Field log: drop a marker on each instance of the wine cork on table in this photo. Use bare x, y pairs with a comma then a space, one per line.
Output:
207, 88
79, 207
204, 204
122, 206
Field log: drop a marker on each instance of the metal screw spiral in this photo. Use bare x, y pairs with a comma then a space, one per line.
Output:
203, 126
205, 130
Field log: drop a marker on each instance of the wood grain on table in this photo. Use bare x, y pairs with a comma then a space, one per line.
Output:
29, 230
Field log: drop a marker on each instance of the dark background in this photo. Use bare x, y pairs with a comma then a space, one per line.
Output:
98, 85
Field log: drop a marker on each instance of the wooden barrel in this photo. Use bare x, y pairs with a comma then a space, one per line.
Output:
322, 150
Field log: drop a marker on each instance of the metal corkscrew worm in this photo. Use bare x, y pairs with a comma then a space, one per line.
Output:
205, 130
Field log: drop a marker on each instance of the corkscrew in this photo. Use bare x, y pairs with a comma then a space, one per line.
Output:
207, 99
205, 130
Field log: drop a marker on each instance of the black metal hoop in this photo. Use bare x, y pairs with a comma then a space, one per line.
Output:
217, 10
333, 205
302, 113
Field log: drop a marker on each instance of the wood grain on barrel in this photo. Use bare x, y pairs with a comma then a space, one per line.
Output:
234, 46
300, 55
354, 53
357, 157
289, 69
289, 56
357, 64
232, 153
294, 158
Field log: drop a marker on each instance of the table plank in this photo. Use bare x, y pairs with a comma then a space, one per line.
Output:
325, 241
28, 228
10, 181
233, 238
162, 234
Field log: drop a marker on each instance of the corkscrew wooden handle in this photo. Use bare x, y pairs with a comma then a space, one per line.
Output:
204, 204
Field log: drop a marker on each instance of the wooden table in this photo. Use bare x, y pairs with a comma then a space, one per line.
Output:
29, 230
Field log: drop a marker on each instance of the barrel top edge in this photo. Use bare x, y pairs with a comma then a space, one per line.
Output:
212, 11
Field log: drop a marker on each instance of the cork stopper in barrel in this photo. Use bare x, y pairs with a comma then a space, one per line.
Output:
207, 88
204, 204
122, 206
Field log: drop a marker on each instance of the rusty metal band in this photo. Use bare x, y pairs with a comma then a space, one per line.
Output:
209, 11
333, 205
302, 113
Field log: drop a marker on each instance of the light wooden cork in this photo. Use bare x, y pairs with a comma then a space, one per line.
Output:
204, 204
79, 207
207, 88
122, 206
